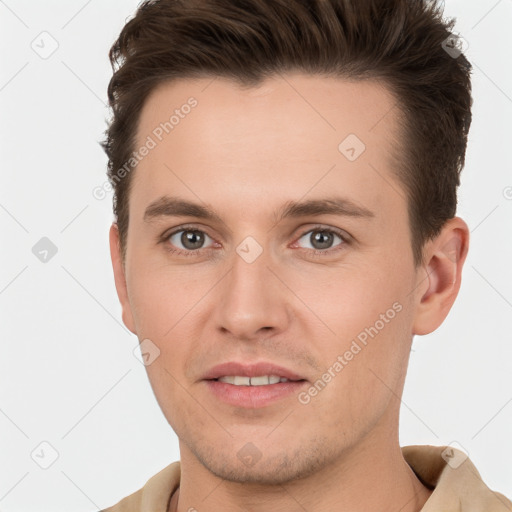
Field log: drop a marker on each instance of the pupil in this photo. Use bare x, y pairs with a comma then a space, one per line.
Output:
192, 239
321, 238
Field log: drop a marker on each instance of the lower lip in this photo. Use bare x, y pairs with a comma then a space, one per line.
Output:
252, 397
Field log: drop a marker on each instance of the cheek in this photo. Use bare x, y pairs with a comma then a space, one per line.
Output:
171, 391
365, 337
167, 306
348, 300
162, 298
363, 374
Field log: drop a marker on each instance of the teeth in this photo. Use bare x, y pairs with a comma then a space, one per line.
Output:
262, 380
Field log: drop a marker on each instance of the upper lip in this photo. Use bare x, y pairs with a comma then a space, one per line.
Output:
250, 370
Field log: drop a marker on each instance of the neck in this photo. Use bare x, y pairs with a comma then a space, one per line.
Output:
366, 477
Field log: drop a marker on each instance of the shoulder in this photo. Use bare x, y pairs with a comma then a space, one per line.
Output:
154, 495
456, 483
131, 503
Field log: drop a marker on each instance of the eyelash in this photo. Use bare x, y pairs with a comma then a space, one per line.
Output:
317, 253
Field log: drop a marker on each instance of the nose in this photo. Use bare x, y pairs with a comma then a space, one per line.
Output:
252, 302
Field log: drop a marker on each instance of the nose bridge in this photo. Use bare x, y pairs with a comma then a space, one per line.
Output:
249, 278
249, 298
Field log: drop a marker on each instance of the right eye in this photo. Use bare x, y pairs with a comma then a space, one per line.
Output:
190, 239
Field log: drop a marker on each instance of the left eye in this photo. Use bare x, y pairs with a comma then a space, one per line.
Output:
321, 239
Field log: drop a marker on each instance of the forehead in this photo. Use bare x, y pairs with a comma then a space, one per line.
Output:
289, 136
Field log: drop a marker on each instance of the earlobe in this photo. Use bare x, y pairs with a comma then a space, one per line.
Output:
120, 278
445, 257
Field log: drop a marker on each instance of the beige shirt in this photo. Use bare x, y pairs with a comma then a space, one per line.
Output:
457, 485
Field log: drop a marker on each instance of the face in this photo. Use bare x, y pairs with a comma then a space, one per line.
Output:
330, 294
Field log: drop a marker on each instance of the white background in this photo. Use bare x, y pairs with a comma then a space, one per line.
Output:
68, 375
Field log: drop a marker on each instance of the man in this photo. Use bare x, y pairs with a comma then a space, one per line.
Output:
285, 178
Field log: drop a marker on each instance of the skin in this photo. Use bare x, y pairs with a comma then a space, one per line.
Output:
245, 152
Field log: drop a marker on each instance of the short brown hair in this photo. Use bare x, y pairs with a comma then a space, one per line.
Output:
401, 43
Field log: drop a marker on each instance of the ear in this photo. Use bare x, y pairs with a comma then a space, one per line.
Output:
439, 277
119, 277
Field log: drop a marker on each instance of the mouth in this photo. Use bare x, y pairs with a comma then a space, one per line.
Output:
256, 392
251, 373
252, 385
261, 380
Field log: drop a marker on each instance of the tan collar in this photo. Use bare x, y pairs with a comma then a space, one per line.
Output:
457, 485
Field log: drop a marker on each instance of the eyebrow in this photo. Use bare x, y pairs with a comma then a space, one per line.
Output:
166, 206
